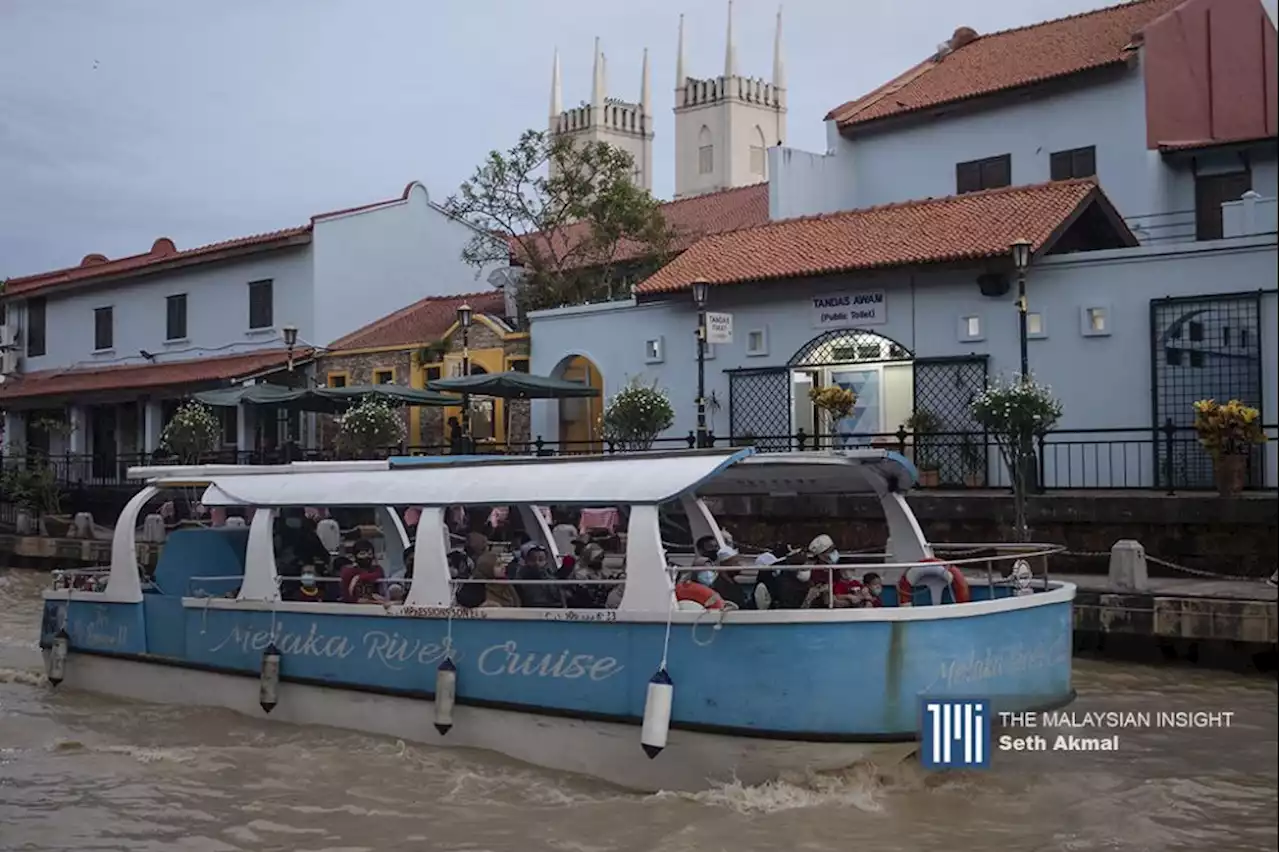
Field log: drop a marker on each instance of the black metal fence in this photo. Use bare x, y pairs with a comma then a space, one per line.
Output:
1137, 458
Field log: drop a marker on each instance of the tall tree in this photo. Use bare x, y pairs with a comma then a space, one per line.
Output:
569, 213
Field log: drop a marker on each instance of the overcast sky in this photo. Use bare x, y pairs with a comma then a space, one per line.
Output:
125, 120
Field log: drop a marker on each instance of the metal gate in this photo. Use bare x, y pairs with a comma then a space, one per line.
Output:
760, 408
945, 387
1202, 347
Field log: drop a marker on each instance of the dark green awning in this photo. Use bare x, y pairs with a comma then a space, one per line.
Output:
320, 399
513, 385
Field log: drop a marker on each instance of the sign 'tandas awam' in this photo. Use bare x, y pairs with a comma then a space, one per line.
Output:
848, 310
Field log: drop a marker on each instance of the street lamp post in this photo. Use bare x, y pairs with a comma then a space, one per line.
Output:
464, 322
1021, 250
700, 287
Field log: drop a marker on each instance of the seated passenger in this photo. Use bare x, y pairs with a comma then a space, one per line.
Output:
838, 589
534, 565
362, 581
296, 546
726, 583
595, 595
787, 589
875, 588
308, 589
694, 591
408, 562
493, 594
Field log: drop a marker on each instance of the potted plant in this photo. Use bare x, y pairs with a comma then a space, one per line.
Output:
636, 415
973, 457
33, 486
1227, 431
1014, 414
923, 425
369, 427
194, 431
836, 401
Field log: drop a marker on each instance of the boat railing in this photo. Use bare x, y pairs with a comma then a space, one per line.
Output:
80, 579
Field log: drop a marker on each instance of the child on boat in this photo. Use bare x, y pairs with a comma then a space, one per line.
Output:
362, 580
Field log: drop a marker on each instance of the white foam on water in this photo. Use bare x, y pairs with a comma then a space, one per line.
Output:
24, 676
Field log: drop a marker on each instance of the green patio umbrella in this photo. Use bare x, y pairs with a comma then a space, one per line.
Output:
513, 385
251, 395
391, 393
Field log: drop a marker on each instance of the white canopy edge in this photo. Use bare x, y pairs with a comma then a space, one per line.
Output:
623, 480
210, 472
862, 471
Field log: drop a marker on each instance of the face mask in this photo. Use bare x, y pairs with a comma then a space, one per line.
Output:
293, 523
876, 589
833, 556
309, 580
364, 557
803, 576
706, 578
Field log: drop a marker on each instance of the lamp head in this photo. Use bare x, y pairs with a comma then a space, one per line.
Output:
1021, 250
700, 287
464, 315
290, 335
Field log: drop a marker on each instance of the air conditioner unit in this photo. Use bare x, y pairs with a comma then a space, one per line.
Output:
10, 362
9, 336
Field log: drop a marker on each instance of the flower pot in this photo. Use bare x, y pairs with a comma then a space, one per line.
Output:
1228, 474
973, 480
928, 477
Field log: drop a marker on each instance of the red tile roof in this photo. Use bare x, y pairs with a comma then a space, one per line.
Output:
164, 255
420, 323
964, 227
690, 219
60, 383
1009, 59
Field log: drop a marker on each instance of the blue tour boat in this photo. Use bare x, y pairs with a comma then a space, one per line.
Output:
746, 694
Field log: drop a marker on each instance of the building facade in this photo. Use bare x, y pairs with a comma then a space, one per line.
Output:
424, 342
1127, 336
1171, 105
110, 346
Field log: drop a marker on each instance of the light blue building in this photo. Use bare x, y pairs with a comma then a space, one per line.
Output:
1140, 301
108, 347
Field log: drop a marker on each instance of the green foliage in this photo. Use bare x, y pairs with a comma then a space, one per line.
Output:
636, 415
369, 426
194, 431
562, 211
33, 485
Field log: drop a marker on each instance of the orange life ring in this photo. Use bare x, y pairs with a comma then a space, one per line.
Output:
699, 594
959, 585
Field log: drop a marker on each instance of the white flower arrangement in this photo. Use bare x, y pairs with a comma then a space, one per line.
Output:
369, 425
636, 415
193, 431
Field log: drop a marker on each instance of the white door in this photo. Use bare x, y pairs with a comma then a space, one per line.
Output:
865, 422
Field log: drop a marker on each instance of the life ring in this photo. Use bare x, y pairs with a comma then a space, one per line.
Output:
914, 575
698, 594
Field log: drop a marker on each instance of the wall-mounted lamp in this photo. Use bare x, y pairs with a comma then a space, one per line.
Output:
290, 340
464, 315
148, 355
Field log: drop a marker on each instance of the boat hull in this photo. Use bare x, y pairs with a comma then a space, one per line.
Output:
691, 762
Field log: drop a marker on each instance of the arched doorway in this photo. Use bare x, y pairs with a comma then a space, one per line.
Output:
876, 368
578, 420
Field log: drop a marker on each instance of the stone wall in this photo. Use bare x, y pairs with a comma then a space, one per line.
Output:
1199, 531
360, 368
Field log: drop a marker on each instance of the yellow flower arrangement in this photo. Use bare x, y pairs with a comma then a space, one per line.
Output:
835, 400
1228, 429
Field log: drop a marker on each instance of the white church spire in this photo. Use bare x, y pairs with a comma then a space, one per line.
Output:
680, 78
730, 59
644, 85
597, 79
779, 68
557, 100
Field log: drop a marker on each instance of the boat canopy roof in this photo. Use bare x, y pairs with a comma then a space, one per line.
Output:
620, 480
635, 479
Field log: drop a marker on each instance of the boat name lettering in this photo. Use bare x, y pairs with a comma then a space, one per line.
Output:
590, 615
443, 612
507, 659
395, 651
100, 632
993, 663
313, 643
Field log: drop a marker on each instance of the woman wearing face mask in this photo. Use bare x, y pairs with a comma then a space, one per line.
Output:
835, 588
693, 591
362, 580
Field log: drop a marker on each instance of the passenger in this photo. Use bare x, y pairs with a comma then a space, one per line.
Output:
362, 581
296, 547
564, 532
707, 548
534, 565
408, 561
787, 589
493, 594
595, 595
726, 583
875, 589
831, 588
694, 591
309, 589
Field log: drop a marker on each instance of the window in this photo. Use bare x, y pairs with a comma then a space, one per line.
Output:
1094, 322
706, 154
384, 376
653, 351
758, 342
337, 380
970, 329
35, 327
1076, 163
1211, 192
975, 175
230, 418
1035, 325
433, 373
758, 153
520, 365
103, 329
261, 314
175, 325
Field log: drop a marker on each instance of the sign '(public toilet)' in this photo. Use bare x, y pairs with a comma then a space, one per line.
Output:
719, 328
849, 310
